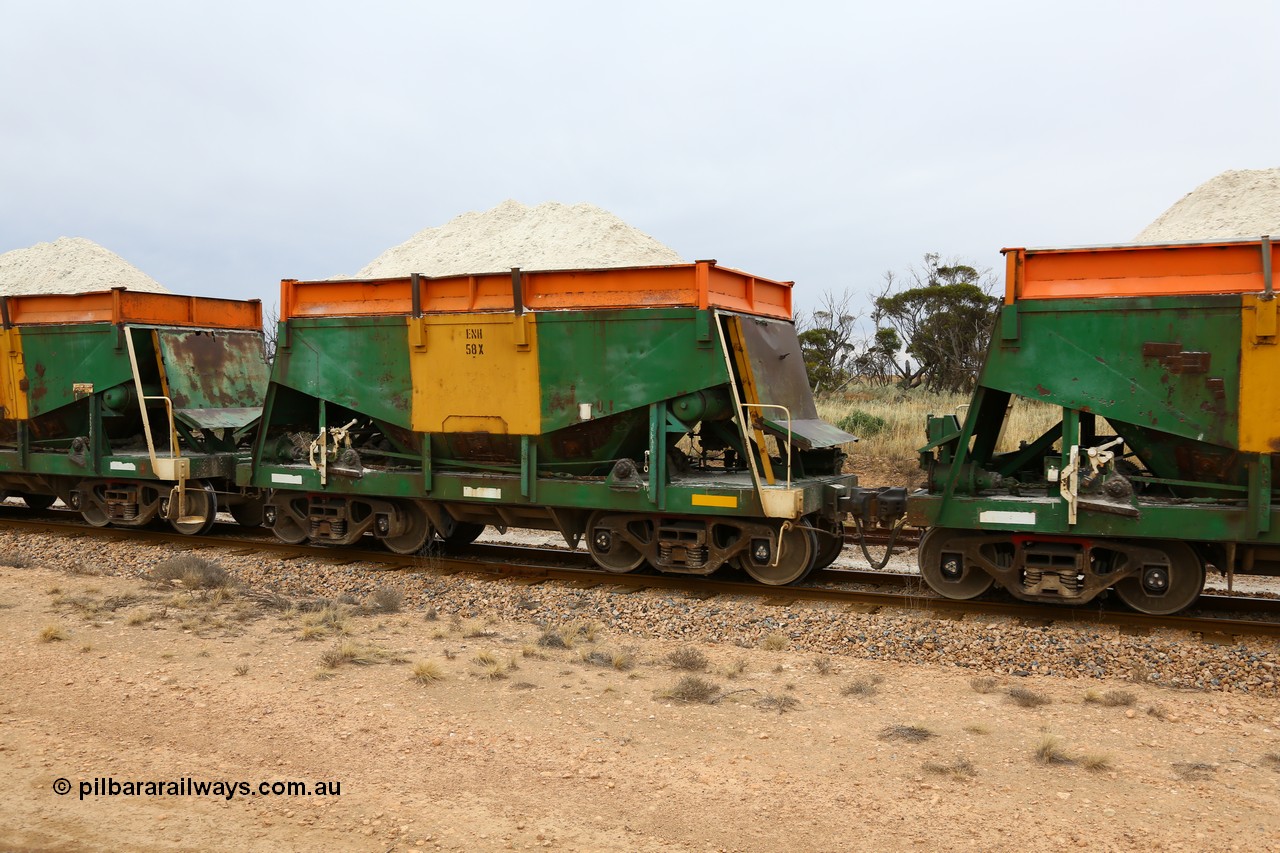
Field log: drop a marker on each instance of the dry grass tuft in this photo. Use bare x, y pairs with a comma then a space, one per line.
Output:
87, 605
242, 669
385, 599
1271, 759
427, 672
1025, 698
621, 659
312, 632
1194, 771
775, 642
957, 768
580, 629
52, 634
899, 415
824, 665
490, 666
332, 619
192, 571
568, 635
1050, 751
692, 688
985, 683
914, 734
140, 616
1096, 762
1158, 712
117, 602
780, 702
977, 729
1111, 698
268, 599
352, 653
688, 658
476, 631
865, 686
493, 671
734, 669
552, 640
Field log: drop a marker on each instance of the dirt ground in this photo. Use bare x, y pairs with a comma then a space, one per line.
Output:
523, 745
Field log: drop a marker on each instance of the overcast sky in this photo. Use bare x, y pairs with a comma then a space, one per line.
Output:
223, 146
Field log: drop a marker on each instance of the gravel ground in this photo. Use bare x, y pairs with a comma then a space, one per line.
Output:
983, 644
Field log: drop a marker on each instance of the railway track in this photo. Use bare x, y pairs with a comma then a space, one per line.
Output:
1214, 617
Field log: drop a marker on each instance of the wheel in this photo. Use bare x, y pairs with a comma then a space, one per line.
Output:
830, 542
248, 513
797, 550
196, 514
945, 571
464, 533
417, 530
288, 530
93, 514
610, 551
37, 502
1163, 590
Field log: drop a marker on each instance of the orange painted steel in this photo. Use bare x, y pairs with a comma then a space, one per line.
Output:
1154, 270
126, 306
700, 285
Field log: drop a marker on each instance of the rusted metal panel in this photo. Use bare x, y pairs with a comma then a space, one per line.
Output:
216, 378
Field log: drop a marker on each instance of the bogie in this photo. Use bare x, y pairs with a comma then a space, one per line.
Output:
1154, 577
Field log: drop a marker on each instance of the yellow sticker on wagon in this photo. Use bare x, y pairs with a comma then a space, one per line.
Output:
729, 501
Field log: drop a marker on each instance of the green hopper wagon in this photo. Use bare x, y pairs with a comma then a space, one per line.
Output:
131, 406
1164, 363
661, 413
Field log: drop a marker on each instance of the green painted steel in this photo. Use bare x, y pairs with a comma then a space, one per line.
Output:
550, 492
1114, 357
360, 364
1164, 373
618, 390
622, 361
84, 434
58, 357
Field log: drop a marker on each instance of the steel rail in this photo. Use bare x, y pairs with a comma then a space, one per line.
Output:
544, 564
